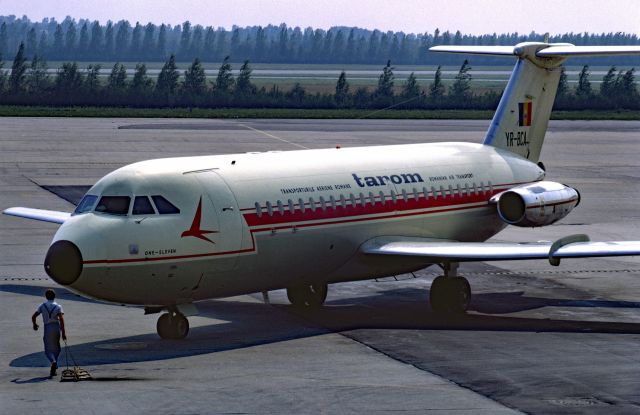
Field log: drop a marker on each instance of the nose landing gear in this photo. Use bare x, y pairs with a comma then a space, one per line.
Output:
449, 293
308, 295
173, 325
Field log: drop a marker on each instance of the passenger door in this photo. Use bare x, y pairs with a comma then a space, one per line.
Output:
228, 237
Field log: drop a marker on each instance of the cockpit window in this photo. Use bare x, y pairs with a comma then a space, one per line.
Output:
114, 205
86, 204
142, 206
164, 206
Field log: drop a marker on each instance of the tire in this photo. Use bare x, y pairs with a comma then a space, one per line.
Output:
163, 326
450, 295
297, 296
438, 295
310, 296
460, 293
180, 326
172, 326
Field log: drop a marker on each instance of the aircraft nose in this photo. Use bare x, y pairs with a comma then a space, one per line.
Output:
63, 262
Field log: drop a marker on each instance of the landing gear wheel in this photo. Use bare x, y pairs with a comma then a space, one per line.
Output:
450, 295
311, 295
437, 296
172, 326
180, 326
163, 326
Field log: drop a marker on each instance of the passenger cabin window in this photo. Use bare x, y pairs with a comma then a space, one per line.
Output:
142, 206
258, 209
164, 206
114, 205
86, 204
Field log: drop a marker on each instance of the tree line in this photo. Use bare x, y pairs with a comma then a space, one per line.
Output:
29, 83
86, 41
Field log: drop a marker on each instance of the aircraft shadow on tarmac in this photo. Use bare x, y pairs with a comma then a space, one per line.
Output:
247, 324
62, 294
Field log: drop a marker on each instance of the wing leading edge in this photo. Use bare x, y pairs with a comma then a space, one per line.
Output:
575, 246
52, 216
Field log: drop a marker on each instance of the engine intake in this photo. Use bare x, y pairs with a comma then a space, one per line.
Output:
536, 204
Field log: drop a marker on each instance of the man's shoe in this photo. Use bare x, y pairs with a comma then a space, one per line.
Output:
54, 366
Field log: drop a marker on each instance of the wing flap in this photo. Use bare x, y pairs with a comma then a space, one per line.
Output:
52, 216
453, 251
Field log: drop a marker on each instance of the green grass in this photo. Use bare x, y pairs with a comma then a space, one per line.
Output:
25, 111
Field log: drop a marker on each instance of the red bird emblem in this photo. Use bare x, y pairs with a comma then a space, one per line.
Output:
195, 230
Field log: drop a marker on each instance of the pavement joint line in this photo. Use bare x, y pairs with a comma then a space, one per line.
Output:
23, 279
420, 368
506, 273
273, 136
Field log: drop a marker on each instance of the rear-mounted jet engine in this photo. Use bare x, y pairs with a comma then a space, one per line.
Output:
536, 204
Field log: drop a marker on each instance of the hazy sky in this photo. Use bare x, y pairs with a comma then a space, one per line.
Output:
416, 16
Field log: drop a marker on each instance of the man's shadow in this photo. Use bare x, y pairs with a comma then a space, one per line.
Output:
41, 379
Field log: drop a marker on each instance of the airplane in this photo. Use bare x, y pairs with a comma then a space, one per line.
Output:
166, 233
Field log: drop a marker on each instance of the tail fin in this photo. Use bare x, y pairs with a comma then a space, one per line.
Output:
520, 122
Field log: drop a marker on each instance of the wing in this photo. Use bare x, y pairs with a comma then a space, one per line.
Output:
53, 216
574, 246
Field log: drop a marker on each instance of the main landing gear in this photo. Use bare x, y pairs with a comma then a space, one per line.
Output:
449, 293
307, 295
173, 325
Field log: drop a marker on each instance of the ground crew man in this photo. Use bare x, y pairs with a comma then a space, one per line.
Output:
52, 316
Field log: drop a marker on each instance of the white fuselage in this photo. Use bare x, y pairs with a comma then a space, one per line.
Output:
261, 221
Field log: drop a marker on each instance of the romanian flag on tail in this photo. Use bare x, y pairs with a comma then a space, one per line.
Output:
525, 112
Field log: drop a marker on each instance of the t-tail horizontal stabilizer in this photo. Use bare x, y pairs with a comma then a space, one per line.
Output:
520, 122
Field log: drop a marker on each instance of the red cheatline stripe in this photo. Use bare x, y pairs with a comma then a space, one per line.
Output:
253, 248
349, 211
496, 189
349, 214
339, 217
362, 219
206, 254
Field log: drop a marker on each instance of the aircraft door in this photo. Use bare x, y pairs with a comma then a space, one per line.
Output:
228, 236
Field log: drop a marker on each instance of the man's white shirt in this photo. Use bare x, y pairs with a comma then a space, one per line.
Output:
50, 311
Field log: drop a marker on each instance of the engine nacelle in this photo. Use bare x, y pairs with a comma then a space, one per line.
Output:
536, 204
